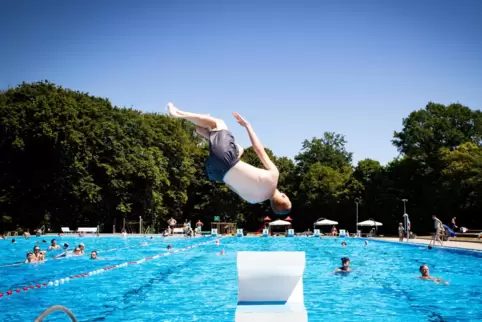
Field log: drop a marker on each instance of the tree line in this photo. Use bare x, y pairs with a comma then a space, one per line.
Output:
71, 159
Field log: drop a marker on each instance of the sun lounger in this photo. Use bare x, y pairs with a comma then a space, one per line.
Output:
92, 230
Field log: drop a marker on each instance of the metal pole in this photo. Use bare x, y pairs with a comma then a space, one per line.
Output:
357, 200
404, 206
140, 225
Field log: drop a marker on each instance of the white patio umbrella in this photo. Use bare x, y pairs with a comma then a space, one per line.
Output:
370, 223
325, 222
280, 223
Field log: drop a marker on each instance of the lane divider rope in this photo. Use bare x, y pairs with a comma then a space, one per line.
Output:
100, 251
101, 270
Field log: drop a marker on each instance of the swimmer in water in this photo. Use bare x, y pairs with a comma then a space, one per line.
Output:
144, 244
222, 253
345, 265
64, 254
93, 255
224, 163
366, 242
38, 255
54, 245
169, 246
426, 275
30, 258
218, 242
343, 244
77, 251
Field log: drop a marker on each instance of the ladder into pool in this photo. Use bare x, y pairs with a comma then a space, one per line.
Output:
54, 308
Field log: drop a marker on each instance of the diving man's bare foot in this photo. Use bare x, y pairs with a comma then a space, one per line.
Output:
173, 111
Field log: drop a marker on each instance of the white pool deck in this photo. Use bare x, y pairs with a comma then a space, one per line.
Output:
447, 244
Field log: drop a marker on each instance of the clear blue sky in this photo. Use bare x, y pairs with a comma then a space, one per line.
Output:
294, 69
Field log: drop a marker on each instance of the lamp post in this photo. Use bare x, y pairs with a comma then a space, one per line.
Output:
404, 206
357, 201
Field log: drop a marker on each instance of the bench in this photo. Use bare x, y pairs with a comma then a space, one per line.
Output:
87, 230
178, 230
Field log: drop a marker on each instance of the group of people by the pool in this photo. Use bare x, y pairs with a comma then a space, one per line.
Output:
39, 256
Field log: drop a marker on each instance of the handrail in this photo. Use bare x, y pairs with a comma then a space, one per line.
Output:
54, 308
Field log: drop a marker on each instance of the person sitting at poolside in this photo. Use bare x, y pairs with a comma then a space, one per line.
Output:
224, 164
93, 255
54, 245
426, 275
345, 265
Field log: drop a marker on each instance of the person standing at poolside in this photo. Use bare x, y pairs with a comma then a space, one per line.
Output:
171, 223
438, 226
401, 230
224, 162
199, 226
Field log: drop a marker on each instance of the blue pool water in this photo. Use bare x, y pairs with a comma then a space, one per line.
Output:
197, 285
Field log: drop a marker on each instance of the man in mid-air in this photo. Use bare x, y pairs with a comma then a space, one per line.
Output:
224, 162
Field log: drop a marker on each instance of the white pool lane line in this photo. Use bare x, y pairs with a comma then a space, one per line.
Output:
101, 270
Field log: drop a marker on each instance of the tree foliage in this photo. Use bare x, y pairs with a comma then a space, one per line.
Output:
69, 158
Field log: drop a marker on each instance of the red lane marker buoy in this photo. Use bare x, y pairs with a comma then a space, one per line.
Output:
9, 292
31, 286
25, 288
17, 290
1, 294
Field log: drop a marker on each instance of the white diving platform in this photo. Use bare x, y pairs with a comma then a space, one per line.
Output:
270, 287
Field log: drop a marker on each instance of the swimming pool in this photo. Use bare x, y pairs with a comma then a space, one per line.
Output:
197, 285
